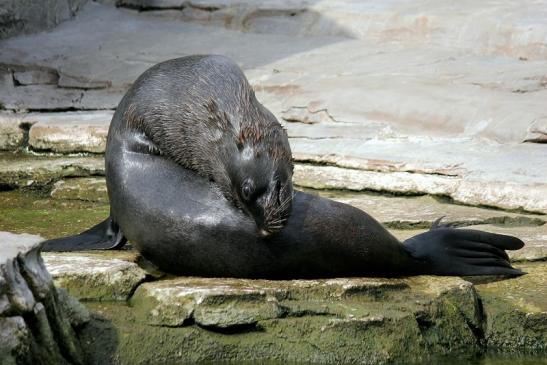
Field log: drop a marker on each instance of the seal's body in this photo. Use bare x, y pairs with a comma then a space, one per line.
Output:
185, 222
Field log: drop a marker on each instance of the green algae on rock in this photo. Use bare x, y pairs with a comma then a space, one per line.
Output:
516, 310
26, 171
358, 320
95, 276
86, 189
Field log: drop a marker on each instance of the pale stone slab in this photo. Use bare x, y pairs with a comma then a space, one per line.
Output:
475, 25
70, 132
89, 276
403, 212
504, 194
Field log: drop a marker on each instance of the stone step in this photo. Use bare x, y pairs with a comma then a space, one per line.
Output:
386, 89
411, 316
35, 172
470, 171
505, 194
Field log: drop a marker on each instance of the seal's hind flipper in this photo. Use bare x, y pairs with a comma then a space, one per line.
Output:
106, 235
449, 251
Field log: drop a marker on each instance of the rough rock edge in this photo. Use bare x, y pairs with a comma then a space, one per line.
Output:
37, 324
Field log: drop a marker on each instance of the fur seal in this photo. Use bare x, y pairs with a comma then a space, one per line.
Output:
204, 115
185, 222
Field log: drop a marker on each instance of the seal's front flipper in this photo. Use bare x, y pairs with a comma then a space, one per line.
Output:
106, 235
449, 251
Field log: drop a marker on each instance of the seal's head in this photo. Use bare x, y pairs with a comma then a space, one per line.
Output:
261, 176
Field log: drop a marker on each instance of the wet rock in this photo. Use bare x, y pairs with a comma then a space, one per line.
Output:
95, 276
376, 319
516, 310
36, 172
70, 132
86, 189
11, 133
34, 324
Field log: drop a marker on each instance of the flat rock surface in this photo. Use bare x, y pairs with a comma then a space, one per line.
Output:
107, 276
421, 211
445, 96
21, 171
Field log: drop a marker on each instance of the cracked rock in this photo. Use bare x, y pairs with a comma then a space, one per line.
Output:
34, 323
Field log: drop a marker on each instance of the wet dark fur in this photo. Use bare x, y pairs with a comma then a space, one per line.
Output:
200, 111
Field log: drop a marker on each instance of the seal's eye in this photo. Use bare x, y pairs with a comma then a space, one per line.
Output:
247, 190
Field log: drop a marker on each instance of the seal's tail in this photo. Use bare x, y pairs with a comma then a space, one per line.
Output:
106, 235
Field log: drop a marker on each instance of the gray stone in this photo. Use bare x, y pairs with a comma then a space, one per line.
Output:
36, 76
94, 276
70, 132
36, 172
80, 82
14, 340
35, 328
505, 194
24, 16
407, 212
11, 134
51, 97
